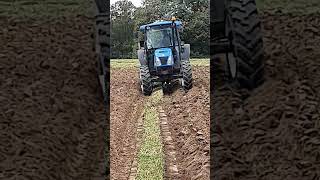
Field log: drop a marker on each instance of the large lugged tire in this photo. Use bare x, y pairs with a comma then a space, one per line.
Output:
101, 46
244, 29
186, 75
145, 80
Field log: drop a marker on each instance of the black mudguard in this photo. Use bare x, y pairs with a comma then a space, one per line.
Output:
186, 52
141, 57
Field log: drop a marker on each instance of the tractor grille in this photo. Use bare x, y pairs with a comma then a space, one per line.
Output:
163, 60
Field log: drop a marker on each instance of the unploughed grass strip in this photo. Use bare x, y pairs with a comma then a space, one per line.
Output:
131, 63
150, 155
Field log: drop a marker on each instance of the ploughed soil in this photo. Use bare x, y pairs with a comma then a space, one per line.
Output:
52, 116
126, 106
188, 120
272, 132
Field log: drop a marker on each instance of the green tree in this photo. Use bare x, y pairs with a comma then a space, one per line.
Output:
126, 20
122, 29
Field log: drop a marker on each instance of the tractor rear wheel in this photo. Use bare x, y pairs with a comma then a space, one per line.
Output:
145, 80
245, 64
186, 75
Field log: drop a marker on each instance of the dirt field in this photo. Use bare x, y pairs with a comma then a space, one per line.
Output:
52, 118
188, 118
127, 104
272, 132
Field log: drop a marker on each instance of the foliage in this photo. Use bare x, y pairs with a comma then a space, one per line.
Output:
193, 13
122, 28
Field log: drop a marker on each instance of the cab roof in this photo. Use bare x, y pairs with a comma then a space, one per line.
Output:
159, 23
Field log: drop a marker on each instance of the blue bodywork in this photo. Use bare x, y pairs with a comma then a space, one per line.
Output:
162, 60
159, 23
163, 54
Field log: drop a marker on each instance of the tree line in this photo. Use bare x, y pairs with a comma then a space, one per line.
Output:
126, 20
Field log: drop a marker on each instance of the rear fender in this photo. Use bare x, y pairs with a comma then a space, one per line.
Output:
141, 57
186, 52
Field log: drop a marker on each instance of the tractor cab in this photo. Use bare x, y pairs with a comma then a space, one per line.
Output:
161, 54
162, 46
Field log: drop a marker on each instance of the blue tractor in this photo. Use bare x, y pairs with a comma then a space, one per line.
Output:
163, 56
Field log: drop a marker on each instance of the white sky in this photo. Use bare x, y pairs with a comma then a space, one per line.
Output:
136, 3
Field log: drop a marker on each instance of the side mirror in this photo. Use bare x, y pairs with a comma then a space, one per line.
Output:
141, 44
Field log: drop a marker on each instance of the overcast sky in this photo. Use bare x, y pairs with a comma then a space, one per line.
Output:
136, 3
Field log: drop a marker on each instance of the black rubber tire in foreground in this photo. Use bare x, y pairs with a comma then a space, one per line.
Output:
102, 71
186, 74
247, 42
145, 80
101, 46
102, 6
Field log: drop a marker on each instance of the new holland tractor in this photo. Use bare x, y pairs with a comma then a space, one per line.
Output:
235, 33
163, 56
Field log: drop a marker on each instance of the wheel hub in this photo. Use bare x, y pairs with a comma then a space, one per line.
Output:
182, 82
141, 85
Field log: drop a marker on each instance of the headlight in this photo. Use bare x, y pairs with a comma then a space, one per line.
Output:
157, 62
170, 60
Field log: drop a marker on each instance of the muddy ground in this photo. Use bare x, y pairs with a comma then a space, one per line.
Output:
188, 119
127, 104
272, 132
52, 117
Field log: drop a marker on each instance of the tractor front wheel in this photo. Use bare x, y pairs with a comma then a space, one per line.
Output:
145, 81
186, 69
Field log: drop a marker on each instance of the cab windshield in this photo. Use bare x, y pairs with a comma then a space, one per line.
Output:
159, 38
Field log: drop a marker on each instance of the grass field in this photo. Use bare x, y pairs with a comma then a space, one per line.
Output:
131, 63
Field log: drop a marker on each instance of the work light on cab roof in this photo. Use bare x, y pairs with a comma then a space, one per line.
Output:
173, 22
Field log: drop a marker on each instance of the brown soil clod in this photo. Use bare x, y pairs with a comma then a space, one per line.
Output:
185, 126
126, 123
53, 122
171, 166
139, 135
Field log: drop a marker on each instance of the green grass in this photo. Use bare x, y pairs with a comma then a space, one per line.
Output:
200, 62
124, 63
131, 63
150, 156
